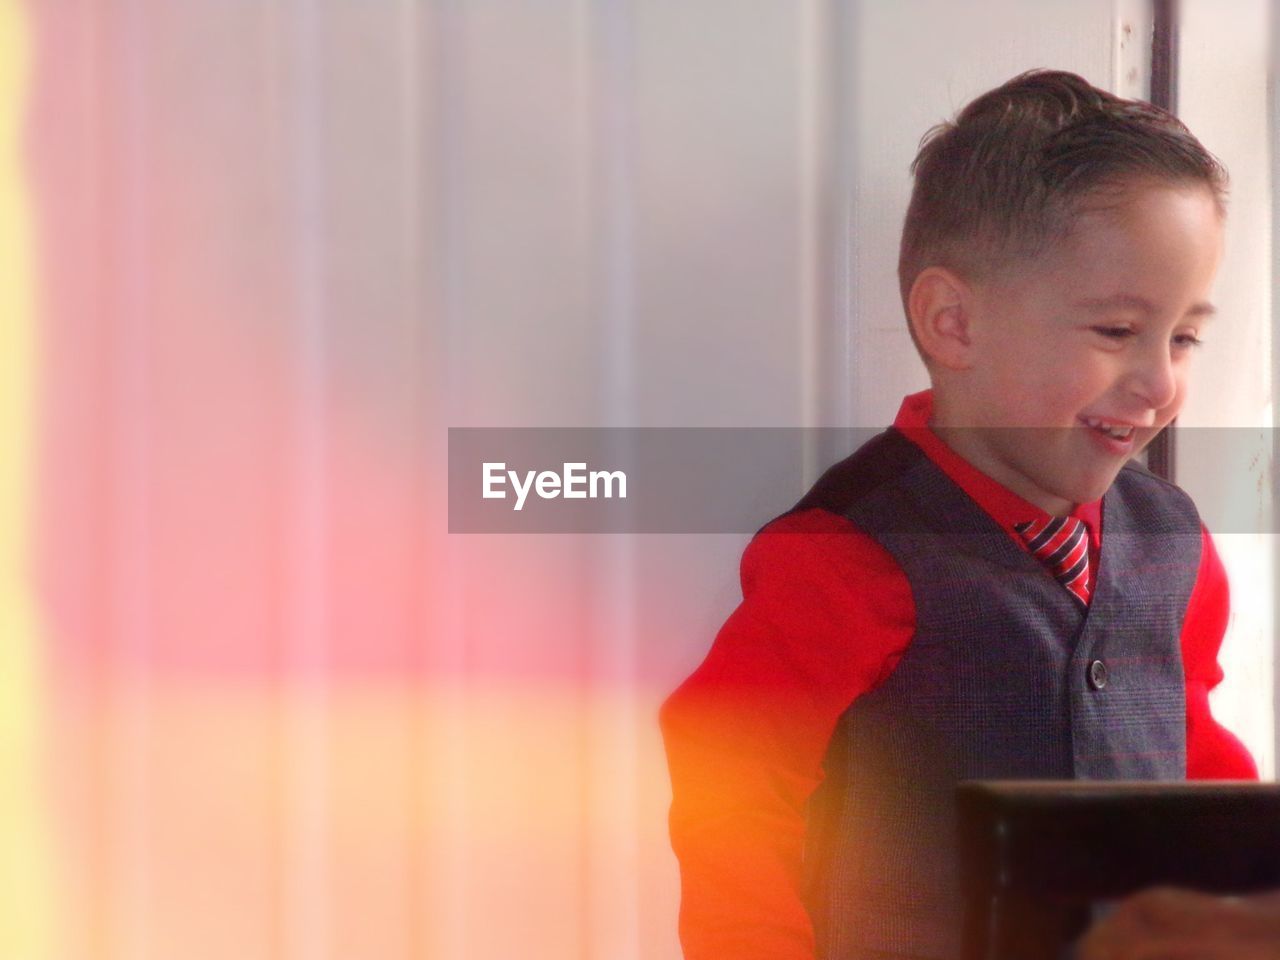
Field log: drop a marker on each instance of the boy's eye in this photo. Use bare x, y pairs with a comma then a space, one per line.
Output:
1114, 333
1187, 340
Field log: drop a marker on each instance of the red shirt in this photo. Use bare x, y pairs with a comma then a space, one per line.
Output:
747, 732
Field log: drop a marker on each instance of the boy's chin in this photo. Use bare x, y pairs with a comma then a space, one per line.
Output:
1089, 489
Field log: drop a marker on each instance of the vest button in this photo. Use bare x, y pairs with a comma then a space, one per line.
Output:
1097, 675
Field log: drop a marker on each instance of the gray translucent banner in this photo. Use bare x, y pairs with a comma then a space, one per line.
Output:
734, 480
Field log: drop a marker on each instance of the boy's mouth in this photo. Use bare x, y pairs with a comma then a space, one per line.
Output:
1110, 428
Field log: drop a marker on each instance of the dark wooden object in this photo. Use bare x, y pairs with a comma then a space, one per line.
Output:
1036, 855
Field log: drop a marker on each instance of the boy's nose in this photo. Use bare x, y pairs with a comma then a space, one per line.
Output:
1154, 379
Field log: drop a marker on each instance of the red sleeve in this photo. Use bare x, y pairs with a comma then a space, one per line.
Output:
1213, 752
826, 613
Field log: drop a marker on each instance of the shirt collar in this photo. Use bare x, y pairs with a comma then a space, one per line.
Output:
1002, 504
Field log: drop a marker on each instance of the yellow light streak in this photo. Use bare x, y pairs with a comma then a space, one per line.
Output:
25, 867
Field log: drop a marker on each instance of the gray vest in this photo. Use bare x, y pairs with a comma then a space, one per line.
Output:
996, 683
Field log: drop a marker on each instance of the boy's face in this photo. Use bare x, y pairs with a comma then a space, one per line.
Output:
1094, 341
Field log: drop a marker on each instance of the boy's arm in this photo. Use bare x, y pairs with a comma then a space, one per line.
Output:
1213, 752
825, 614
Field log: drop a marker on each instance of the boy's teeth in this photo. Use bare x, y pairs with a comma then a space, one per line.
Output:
1111, 430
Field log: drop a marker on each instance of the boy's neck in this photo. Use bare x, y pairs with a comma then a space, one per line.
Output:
958, 431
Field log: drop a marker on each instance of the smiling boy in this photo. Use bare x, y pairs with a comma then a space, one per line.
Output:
1098, 333
989, 588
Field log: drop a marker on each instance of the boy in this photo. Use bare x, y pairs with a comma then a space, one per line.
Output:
958, 599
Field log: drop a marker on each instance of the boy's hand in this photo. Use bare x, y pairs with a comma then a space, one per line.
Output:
1168, 924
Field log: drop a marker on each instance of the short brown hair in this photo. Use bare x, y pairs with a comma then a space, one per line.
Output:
1006, 177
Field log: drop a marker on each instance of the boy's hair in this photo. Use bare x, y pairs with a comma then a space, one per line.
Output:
1008, 176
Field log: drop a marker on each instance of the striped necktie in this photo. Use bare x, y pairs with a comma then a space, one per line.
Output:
1061, 545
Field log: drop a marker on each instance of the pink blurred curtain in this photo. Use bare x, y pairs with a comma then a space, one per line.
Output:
279, 247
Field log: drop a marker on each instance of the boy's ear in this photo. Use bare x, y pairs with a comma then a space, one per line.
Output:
937, 306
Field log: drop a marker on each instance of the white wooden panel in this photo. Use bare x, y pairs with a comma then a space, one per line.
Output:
717, 213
